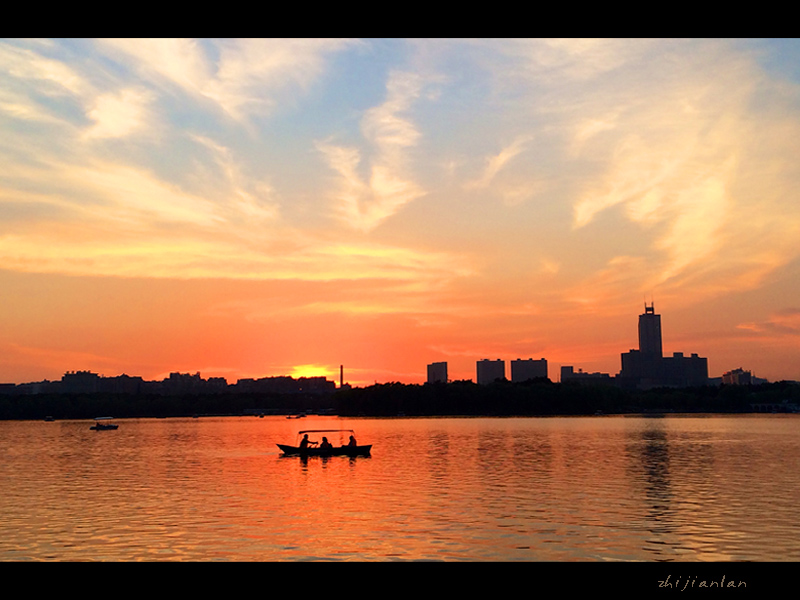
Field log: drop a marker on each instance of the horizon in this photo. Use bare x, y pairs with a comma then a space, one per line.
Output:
342, 382
265, 208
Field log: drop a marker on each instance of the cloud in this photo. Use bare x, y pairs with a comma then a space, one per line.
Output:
687, 144
120, 114
365, 202
243, 77
130, 195
185, 253
180, 62
249, 202
609, 286
47, 76
674, 158
785, 322
693, 236
36, 89
497, 162
581, 58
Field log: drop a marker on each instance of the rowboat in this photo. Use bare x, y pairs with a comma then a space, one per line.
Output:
314, 450
100, 425
335, 451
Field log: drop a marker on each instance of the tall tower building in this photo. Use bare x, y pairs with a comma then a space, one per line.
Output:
648, 368
650, 333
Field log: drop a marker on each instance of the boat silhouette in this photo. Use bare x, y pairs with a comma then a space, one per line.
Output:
312, 449
102, 424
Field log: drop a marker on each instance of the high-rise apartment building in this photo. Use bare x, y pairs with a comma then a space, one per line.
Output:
437, 372
523, 370
490, 370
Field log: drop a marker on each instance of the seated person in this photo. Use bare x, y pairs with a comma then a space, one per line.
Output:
304, 443
325, 445
353, 442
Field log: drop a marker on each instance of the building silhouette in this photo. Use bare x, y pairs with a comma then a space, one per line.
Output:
737, 377
285, 385
177, 384
80, 382
568, 374
647, 367
523, 370
437, 372
650, 333
490, 370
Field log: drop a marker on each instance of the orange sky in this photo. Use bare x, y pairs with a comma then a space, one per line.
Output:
248, 208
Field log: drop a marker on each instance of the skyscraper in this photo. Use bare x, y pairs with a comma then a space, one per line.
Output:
650, 333
648, 368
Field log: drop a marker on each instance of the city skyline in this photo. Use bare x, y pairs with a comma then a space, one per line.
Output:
246, 208
642, 368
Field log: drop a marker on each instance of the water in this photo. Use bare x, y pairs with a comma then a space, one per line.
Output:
530, 489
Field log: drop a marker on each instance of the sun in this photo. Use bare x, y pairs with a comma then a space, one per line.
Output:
311, 371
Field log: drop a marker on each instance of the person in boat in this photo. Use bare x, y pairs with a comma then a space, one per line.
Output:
352, 442
325, 445
305, 443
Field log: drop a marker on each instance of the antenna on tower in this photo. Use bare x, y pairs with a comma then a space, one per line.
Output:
651, 308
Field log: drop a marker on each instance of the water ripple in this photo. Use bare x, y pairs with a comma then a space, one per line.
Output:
605, 489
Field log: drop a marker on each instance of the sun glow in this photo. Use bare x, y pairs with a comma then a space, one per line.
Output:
313, 371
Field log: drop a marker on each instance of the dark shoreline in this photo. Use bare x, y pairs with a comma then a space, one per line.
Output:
456, 399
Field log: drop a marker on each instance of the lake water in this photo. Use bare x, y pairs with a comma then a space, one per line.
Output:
714, 488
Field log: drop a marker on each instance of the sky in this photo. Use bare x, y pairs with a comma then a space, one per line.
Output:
260, 207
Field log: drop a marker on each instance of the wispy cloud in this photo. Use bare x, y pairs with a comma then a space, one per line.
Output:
182, 255
674, 158
363, 202
496, 163
46, 76
785, 322
242, 77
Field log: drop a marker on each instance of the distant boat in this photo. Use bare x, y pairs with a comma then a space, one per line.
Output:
49, 418
101, 424
343, 450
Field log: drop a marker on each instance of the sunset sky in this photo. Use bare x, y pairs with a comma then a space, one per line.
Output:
251, 208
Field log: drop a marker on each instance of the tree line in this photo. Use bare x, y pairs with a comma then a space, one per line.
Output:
458, 398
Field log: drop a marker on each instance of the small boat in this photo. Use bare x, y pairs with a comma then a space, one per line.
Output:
342, 450
101, 424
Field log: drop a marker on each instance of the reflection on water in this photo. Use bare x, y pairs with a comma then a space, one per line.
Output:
554, 489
